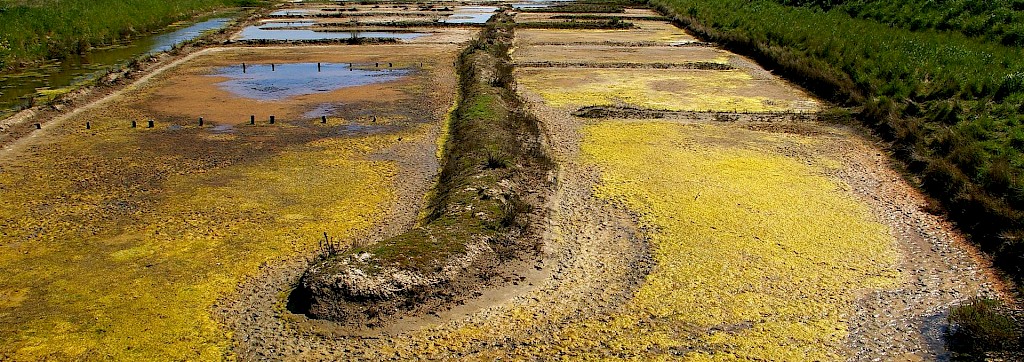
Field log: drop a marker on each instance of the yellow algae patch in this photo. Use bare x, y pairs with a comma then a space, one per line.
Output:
604, 54
115, 248
677, 90
759, 256
630, 36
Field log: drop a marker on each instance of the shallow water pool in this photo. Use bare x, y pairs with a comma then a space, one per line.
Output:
280, 81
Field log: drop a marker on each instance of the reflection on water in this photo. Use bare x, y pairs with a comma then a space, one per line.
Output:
267, 82
470, 15
223, 128
165, 42
17, 89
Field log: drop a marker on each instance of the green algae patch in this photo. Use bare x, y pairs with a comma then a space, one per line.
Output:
674, 90
759, 255
117, 242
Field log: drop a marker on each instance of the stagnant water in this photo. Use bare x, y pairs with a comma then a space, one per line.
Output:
280, 81
299, 30
17, 90
470, 15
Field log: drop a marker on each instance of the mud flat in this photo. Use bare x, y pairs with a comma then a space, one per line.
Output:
118, 240
751, 240
670, 234
778, 240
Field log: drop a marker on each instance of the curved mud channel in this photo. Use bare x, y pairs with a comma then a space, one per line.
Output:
705, 214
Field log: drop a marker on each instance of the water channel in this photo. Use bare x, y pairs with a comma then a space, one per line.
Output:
18, 89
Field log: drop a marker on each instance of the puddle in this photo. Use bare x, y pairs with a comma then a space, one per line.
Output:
470, 15
323, 109
266, 82
223, 128
17, 89
271, 31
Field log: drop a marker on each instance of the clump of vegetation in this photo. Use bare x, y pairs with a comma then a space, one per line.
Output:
476, 217
32, 31
613, 23
983, 326
583, 7
576, 17
952, 104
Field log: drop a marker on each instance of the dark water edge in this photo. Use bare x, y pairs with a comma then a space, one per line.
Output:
19, 88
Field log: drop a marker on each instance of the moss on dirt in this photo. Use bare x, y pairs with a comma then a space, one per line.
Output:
116, 251
117, 241
759, 255
675, 90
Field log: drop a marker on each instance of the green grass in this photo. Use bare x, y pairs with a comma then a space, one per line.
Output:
1000, 21
598, 6
953, 105
34, 30
981, 325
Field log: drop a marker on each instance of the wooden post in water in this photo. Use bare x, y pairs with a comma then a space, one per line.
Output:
323, 119
252, 119
318, 67
243, 67
272, 67
271, 119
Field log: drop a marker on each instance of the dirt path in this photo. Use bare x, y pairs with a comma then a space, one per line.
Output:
937, 265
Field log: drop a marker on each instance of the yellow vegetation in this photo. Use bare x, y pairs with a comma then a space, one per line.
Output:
678, 90
759, 256
664, 36
114, 247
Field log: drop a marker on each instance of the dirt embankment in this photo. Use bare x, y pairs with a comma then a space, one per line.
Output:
477, 225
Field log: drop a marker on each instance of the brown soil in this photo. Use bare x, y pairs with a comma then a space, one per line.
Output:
186, 92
